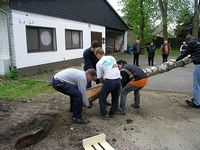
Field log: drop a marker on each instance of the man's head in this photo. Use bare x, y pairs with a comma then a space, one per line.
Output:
165, 42
90, 74
99, 52
189, 38
137, 41
121, 63
94, 45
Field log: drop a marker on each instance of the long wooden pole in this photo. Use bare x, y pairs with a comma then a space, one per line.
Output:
93, 92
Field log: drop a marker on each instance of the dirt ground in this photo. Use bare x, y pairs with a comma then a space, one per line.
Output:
163, 122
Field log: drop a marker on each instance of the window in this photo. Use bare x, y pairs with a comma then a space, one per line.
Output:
40, 39
73, 39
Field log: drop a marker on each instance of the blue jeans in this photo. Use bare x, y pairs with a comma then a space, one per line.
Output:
196, 85
123, 96
112, 86
76, 102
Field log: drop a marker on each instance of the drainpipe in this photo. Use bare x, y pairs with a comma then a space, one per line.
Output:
9, 38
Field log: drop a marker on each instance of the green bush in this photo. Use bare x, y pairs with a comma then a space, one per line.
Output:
12, 75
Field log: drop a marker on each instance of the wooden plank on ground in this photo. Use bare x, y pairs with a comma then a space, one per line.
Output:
97, 142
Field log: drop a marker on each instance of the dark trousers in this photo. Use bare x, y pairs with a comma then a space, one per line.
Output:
150, 61
164, 56
136, 59
76, 102
112, 86
151, 58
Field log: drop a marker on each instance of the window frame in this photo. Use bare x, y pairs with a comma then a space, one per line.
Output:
38, 30
71, 42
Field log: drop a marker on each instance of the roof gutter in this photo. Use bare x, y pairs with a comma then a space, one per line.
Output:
9, 37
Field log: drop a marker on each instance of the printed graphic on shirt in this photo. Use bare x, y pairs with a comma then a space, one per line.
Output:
108, 63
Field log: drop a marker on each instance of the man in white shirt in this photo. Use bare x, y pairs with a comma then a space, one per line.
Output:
108, 72
73, 82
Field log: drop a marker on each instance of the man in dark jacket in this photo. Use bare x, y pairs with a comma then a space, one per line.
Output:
193, 49
151, 53
137, 49
133, 79
90, 60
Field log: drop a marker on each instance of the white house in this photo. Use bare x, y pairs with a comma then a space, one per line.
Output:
43, 34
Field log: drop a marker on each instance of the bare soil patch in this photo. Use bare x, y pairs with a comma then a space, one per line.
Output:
163, 122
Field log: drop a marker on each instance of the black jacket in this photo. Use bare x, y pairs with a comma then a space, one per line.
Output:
193, 49
90, 60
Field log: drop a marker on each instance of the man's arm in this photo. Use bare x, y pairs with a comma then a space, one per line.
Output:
82, 83
185, 53
125, 78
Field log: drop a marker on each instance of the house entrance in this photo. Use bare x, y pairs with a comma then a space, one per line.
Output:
97, 36
114, 41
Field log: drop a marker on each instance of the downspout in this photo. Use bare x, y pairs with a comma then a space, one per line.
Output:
9, 38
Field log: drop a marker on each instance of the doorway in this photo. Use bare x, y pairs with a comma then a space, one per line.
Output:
97, 36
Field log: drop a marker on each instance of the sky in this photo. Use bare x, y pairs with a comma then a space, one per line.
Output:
115, 5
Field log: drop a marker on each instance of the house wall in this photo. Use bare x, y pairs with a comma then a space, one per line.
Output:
4, 44
25, 59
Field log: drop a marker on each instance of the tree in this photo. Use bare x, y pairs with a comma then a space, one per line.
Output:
163, 4
137, 18
170, 10
184, 23
188, 20
196, 21
141, 15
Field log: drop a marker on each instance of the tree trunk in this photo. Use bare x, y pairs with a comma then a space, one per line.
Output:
142, 22
163, 8
195, 23
167, 66
93, 93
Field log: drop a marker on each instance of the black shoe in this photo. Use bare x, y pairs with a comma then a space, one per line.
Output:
108, 103
79, 121
104, 117
120, 113
191, 104
135, 106
112, 115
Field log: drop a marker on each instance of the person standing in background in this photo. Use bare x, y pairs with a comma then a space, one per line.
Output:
151, 53
165, 50
183, 47
136, 52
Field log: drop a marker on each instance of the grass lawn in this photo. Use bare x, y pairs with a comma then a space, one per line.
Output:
23, 88
174, 52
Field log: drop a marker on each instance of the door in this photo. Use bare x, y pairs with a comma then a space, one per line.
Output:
97, 36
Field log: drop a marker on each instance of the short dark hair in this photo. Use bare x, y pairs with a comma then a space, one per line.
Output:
188, 38
121, 62
95, 44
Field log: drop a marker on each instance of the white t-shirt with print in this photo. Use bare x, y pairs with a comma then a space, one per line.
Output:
107, 68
